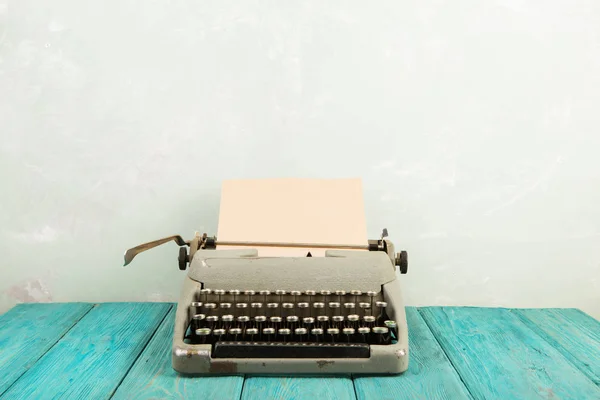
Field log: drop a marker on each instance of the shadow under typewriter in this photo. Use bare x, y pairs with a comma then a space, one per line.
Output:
243, 314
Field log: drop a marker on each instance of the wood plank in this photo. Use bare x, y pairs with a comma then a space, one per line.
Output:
292, 388
575, 334
90, 361
27, 331
152, 376
499, 357
430, 374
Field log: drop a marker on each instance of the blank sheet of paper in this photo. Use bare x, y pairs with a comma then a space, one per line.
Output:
293, 210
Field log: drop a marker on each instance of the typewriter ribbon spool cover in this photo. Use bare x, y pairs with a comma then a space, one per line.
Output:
269, 295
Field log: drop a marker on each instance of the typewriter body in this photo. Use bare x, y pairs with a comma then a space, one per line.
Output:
239, 313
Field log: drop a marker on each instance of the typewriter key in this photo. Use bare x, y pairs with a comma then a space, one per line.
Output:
333, 332
308, 320
260, 318
280, 293
219, 332
369, 319
249, 293
268, 332
251, 332
295, 293
195, 308
197, 319
356, 293
390, 324
349, 306
380, 331
225, 305
203, 331
292, 318
364, 331
219, 292
364, 307
340, 293
227, 318
212, 319
348, 332
318, 332
235, 332
205, 292
353, 320
265, 293
381, 305
240, 306
300, 332
303, 307
310, 294
272, 307
288, 305
337, 318
235, 293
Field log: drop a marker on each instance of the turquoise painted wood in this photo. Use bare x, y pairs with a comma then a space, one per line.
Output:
90, 361
152, 376
499, 357
27, 331
295, 388
575, 334
430, 374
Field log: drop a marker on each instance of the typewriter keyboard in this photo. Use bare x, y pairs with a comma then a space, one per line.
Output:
280, 323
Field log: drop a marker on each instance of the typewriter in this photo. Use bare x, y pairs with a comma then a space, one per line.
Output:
239, 313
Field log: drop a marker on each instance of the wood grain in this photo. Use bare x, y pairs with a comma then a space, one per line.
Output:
152, 376
27, 331
430, 374
91, 359
575, 334
499, 357
294, 388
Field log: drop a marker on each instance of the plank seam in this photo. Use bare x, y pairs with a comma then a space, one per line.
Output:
553, 343
445, 353
114, 391
49, 348
354, 387
243, 387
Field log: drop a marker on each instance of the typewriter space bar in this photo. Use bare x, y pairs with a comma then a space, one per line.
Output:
290, 350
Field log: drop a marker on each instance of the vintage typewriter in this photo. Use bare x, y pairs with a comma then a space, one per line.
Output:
240, 313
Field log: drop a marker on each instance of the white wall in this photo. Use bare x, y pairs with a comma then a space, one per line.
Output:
474, 126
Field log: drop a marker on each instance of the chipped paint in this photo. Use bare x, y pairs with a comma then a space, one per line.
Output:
324, 363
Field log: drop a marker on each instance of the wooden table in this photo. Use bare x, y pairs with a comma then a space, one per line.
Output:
122, 351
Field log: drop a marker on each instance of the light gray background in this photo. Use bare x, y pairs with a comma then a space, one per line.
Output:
474, 126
